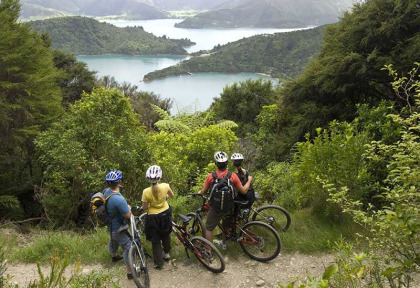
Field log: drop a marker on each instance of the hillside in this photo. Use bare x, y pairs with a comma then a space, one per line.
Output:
270, 13
185, 4
281, 55
127, 9
86, 36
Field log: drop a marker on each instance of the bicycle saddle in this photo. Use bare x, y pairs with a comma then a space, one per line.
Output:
241, 203
184, 218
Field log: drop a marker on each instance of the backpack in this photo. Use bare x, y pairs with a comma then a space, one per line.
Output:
98, 207
250, 195
222, 194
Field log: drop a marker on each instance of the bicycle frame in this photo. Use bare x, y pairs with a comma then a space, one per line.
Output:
231, 231
184, 237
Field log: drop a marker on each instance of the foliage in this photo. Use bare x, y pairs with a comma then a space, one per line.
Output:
74, 76
393, 228
348, 70
185, 157
281, 55
30, 100
276, 184
242, 102
143, 103
99, 133
86, 36
337, 155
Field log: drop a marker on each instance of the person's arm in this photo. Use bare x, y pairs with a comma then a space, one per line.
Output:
244, 189
206, 185
170, 193
145, 205
128, 215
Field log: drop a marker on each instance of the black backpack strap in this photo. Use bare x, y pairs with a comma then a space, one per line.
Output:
228, 175
214, 174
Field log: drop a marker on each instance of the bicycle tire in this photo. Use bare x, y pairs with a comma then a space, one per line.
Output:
259, 241
138, 267
207, 254
196, 225
273, 215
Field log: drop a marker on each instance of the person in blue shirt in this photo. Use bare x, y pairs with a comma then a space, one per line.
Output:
118, 210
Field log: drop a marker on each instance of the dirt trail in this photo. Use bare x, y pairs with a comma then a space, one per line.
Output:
240, 272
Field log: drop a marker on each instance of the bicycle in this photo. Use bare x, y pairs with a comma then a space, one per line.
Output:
257, 239
206, 253
137, 255
274, 215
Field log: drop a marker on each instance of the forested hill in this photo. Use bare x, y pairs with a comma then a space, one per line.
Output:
282, 55
82, 35
129, 9
270, 13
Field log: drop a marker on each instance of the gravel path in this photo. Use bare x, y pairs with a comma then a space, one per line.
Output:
240, 272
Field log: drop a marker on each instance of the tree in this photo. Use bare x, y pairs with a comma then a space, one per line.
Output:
30, 100
348, 70
242, 103
74, 76
99, 133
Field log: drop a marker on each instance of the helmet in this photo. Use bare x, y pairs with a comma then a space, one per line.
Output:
113, 177
236, 157
220, 157
154, 173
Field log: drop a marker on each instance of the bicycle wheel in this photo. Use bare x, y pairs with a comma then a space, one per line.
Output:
208, 254
196, 226
138, 266
273, 215
259, 241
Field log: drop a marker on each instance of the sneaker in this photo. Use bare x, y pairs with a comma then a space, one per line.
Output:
117, 258
129, 276
221, 244
166, 256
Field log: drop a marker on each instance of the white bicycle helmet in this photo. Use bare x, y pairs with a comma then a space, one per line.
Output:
154, 173
220, 157
237, 157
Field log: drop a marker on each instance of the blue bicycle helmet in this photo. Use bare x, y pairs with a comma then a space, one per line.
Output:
113, 177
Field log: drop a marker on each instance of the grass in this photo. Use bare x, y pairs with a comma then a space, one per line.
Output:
310, 234
307, 234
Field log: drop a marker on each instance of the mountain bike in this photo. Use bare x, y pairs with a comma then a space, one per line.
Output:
137, 255
273, 215
257, 239
206, 253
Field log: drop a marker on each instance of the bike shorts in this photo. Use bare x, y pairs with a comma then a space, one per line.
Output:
213, 219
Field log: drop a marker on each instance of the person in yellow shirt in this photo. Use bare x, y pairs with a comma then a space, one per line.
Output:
159, 215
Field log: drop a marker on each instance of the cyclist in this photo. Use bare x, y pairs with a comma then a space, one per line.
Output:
213, 216
118, 210
159, 215
237, 159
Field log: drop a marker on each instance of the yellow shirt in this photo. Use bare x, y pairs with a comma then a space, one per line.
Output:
156, 204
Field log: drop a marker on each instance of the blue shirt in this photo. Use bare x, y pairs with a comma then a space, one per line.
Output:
117, 207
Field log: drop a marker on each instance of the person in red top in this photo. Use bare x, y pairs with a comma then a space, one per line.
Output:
214, 217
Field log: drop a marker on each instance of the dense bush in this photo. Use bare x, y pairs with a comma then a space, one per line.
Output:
99, 133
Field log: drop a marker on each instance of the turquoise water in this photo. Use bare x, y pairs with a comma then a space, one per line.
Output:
192, 92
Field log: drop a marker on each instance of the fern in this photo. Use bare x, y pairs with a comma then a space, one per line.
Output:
172, 126
226, 124
163, 114
10, 207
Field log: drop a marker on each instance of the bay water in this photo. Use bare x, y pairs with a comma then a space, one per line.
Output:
188, 92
